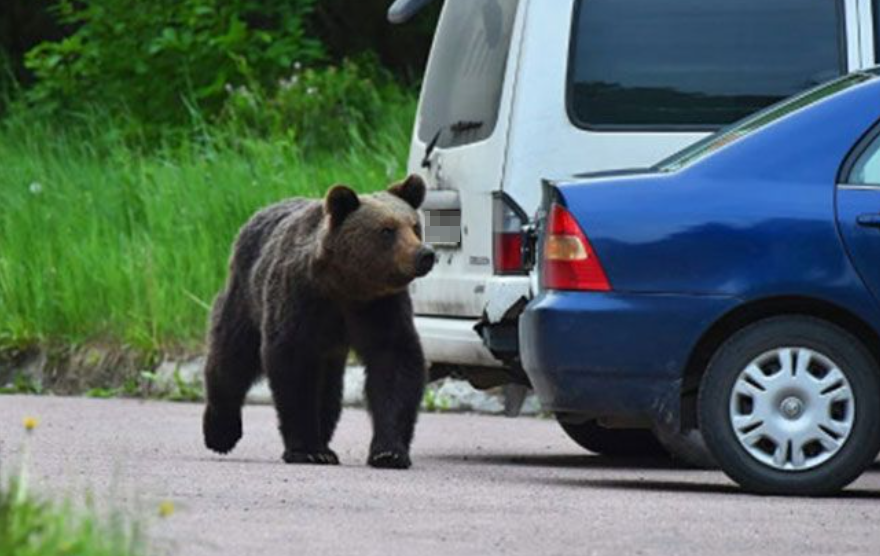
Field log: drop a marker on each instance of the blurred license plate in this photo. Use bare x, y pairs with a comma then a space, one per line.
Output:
443, 227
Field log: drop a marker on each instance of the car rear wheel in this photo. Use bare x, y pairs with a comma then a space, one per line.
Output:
791, 405
613, 442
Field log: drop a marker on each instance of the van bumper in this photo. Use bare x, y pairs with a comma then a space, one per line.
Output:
453, 341
613, 355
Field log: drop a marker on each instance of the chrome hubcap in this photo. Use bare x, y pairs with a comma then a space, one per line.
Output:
792, 408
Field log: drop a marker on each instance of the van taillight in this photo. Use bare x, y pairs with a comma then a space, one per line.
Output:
569, 262
507, 223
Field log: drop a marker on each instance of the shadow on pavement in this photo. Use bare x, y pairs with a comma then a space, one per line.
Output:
605, 462
562, 461
648, 485
213, 458
653, 485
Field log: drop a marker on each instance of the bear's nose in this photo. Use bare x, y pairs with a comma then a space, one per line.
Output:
425, 260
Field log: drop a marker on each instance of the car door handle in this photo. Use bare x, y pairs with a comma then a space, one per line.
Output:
869, 220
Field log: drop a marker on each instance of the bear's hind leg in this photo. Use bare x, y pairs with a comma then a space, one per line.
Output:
232, 366
292, 358
333, 376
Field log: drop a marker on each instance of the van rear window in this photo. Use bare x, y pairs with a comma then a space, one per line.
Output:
462, 88
697, 64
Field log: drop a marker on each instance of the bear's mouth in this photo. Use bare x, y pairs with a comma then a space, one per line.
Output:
402, 281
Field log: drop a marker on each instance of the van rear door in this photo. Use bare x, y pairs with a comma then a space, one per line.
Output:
459, 146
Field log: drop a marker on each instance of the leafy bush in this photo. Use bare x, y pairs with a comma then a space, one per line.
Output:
324, 108
6, 81
164, 59
23, 25
348, 28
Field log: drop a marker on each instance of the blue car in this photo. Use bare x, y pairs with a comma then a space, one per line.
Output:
733, 289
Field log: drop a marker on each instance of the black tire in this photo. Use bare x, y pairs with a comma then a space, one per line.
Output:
613, 442
860, 369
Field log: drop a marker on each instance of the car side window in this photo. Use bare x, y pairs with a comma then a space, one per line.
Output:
697, 63
866, 170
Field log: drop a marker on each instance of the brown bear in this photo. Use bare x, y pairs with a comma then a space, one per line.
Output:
307, 282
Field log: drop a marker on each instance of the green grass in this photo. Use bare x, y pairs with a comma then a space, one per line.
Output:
30, 526
102, 241
22, 384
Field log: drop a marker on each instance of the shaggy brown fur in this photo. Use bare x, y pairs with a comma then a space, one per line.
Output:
308, 281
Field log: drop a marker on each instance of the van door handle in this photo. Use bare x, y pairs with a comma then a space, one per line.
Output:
869, 220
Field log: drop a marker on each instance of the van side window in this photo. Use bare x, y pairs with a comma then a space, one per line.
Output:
466, 74
866, 170
875, 7
697, 64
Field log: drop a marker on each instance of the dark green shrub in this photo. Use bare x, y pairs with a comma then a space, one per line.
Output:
322, 108
348, 28
7, 81
162, 60
23, 25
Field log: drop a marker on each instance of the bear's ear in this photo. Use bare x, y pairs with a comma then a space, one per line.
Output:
341, 201
411, 190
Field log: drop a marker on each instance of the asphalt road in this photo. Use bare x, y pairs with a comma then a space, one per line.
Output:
480, 485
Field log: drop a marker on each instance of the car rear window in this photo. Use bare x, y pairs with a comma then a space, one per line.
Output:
466, 73
697, 63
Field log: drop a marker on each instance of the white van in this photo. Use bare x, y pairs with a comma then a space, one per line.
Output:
520, 90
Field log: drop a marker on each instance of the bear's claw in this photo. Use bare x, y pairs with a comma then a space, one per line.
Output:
390, 459
322, 457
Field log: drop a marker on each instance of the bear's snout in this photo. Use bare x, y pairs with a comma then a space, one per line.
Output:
425, 259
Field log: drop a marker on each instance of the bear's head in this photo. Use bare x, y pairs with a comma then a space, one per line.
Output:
371, 245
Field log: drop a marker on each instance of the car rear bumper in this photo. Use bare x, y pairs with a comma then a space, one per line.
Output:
613, 355
453, 341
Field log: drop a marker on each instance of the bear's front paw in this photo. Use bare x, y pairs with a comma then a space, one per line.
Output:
389, 459
222, 429
316, 457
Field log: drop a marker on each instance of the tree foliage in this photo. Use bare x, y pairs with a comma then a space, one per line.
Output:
348, 28
23, 25
250, 62
161, 58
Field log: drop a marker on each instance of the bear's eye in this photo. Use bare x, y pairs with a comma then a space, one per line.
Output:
388, 232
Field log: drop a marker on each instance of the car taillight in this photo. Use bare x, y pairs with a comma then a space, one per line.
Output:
569, 260
507, 223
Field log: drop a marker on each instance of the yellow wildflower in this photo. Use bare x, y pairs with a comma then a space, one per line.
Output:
166, 508
30, 423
